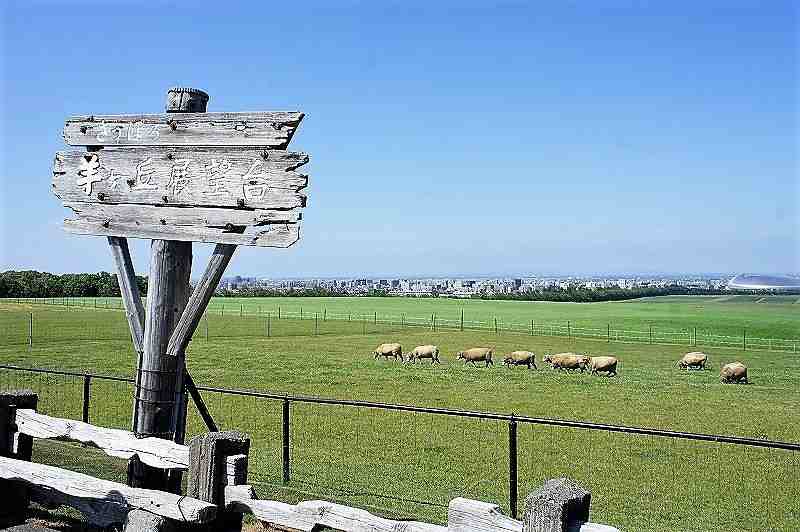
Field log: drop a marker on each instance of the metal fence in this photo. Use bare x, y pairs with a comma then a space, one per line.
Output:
409, 461
237, 321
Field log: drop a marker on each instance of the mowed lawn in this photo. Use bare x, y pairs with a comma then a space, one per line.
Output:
412, 464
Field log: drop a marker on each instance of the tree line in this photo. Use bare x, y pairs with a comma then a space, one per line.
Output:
590, 295
31, 283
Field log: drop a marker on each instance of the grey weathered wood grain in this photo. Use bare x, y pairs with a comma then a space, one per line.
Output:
269, 129
211, 177
155, 452
126, 278
467, 515
131, 299
200, 297
310, 515
236, 469
191, 216
103, 502
167, 295
280, 236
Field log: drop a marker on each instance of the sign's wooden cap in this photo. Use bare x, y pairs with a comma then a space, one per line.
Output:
186, 100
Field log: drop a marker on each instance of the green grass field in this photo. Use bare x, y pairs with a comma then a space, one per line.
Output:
412, 464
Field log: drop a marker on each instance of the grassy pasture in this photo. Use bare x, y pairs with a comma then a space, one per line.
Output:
412, 464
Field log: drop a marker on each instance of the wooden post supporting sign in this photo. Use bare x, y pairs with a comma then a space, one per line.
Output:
176, 178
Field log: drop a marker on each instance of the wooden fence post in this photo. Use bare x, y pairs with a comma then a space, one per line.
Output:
15, 500
559, 505
30, 329
208, 474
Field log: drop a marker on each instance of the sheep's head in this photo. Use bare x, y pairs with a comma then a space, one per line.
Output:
459, 355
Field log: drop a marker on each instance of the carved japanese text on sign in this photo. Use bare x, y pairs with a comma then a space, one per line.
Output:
219, 177
145, 183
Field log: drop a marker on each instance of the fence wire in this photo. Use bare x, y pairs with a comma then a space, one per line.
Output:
409, 462
236, 321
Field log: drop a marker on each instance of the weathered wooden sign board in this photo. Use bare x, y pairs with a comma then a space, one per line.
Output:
206, 177
176, 178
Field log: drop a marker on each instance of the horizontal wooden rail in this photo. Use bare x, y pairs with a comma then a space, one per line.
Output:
101, 501
308, 515
155, 452
463, 515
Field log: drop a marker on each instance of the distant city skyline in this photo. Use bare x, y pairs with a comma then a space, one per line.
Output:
501, 139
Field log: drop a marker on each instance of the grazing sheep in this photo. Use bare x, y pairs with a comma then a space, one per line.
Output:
607, 365
520, 358
424, 351
695, 360
476, 354
568, 361
733, 373
389, 350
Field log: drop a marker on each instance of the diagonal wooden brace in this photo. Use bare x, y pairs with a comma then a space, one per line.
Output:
201, 295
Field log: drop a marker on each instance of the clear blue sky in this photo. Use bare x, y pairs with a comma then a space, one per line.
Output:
501, 138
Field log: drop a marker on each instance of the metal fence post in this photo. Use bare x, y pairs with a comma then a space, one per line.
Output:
279, 312
376, 318
512, 466
744, 339
608, 334
495, 325
87, 385
316, 323
462, 319
285, 453
269, 325
30, 329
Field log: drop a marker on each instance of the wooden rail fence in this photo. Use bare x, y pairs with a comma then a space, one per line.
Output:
217, 494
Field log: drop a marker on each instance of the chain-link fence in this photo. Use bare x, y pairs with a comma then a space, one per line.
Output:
409, 462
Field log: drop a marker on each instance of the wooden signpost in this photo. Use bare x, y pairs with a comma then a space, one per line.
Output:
176, 178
